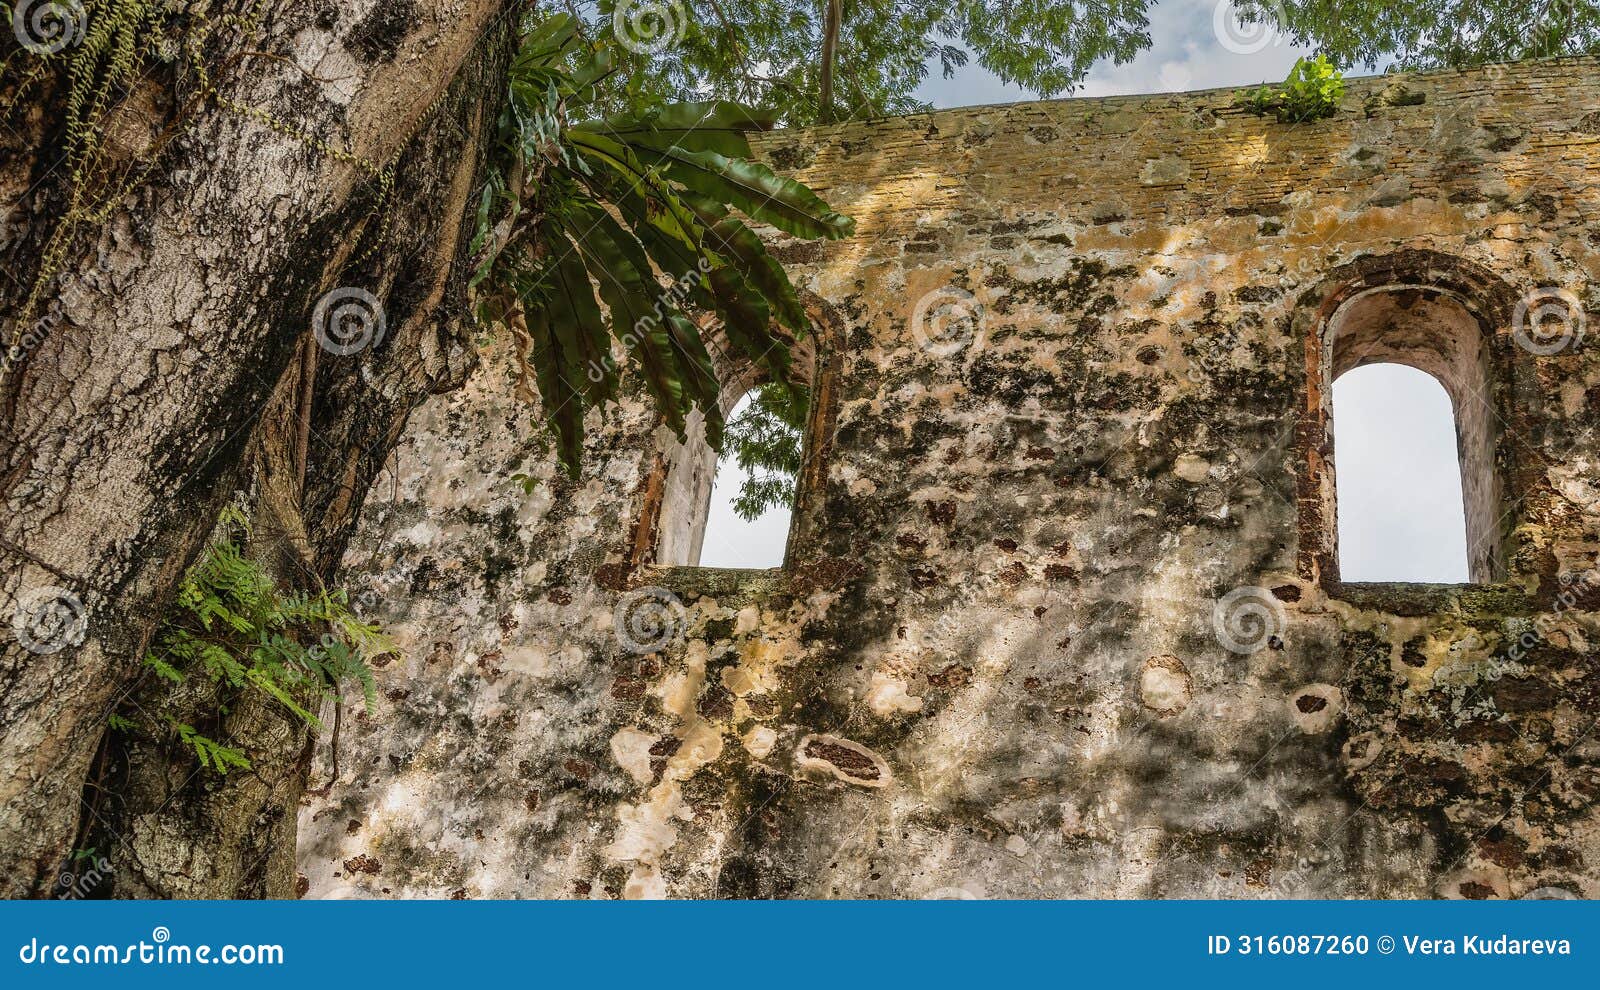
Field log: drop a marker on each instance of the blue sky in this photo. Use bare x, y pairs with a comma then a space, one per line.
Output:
1400, 498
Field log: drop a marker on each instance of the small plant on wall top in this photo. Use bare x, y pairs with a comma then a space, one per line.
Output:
1312, 92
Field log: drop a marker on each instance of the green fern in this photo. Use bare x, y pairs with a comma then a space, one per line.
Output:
211, 754
231, 626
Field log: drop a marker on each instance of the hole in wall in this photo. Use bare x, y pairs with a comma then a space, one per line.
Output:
730, 539
1400, 505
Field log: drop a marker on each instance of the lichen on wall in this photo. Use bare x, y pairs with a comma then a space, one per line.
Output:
1057, 618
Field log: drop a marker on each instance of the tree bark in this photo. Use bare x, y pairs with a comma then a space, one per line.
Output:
830, 55
176, 351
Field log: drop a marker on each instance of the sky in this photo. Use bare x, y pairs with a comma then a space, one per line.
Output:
1400, 512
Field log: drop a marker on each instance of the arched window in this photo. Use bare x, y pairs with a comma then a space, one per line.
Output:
719, 512
749, 514
1438, 318
1400, 506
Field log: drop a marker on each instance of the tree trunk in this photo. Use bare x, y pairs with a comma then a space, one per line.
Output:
830, 56
177, 348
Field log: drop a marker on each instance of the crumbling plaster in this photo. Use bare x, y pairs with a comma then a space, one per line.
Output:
1058, 618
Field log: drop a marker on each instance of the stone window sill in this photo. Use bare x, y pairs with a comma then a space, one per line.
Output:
1407, 599
723, 583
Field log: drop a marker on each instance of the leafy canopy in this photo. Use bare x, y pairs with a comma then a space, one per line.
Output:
1427, 34
768, 52
766, 439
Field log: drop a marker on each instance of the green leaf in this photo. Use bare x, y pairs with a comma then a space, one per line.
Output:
673, 250
700, 375
748, 322
732, 238
638, 317
556, 331
718, 125
584, 335
758, 192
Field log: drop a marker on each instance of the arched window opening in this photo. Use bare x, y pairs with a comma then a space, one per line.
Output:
735, 511
1397, 443
752, 497
1401, 514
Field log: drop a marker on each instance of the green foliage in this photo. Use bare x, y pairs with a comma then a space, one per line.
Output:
611, 230
211, 754
1428, 34
768, 52
1312, 92
231, 626
767, 437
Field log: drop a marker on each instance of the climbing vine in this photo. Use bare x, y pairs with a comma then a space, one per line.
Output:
104, 50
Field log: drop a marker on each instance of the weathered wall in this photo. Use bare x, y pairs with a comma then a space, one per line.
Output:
1079, 357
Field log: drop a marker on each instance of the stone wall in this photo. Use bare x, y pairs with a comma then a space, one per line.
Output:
1060, 616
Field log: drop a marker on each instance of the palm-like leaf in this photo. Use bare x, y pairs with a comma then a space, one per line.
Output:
637, 232
757, 192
